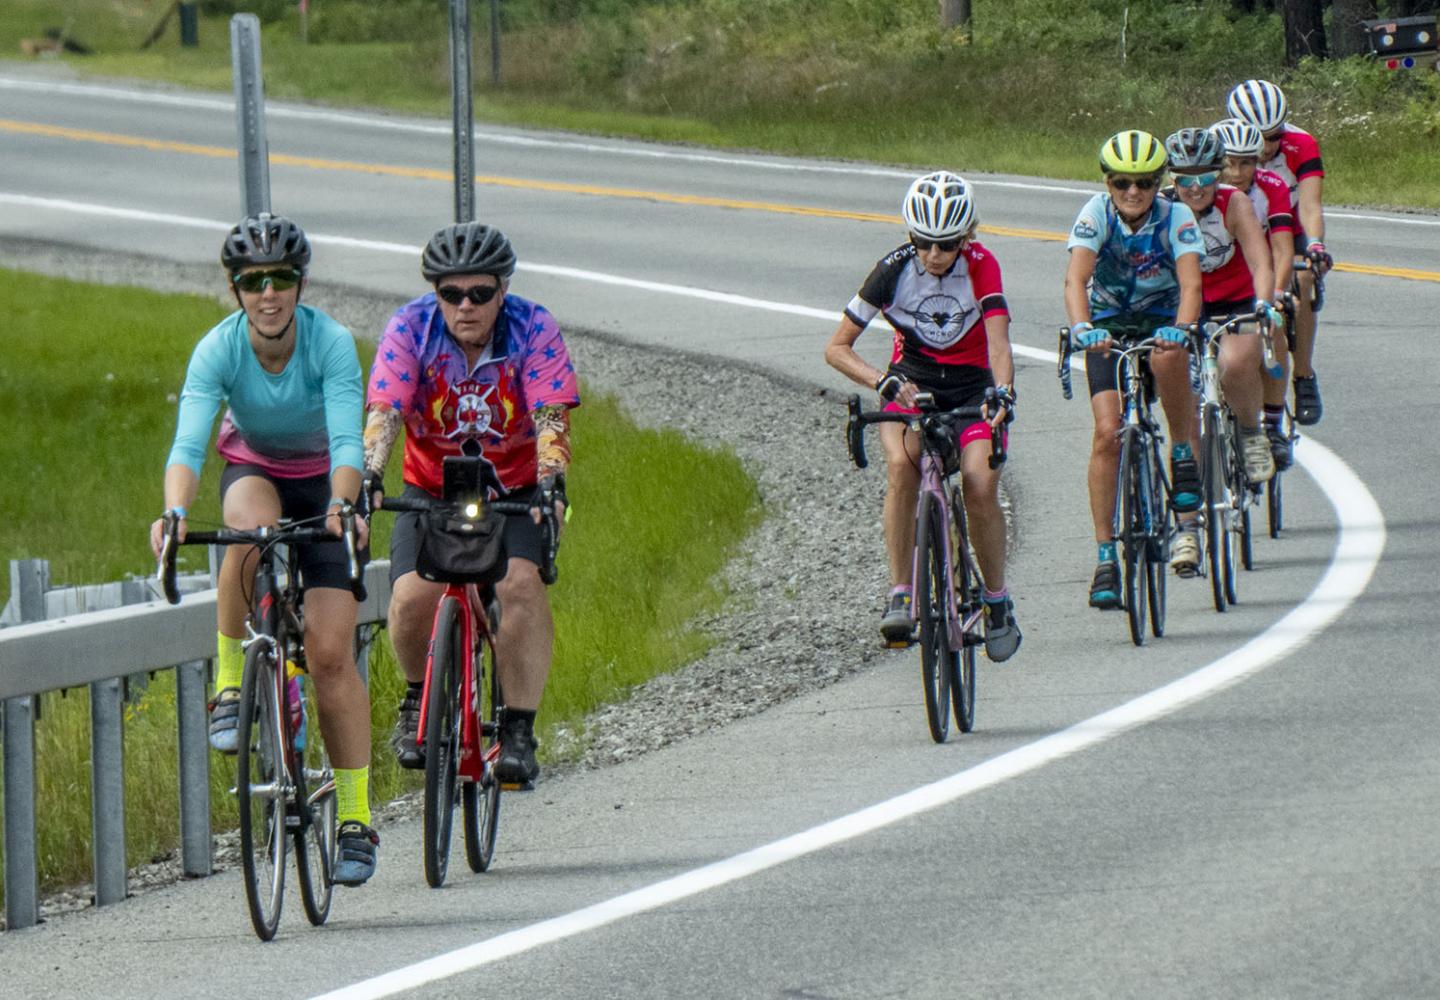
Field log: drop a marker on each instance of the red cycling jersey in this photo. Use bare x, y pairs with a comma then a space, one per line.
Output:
1224, 274
1271, 197
1297, 158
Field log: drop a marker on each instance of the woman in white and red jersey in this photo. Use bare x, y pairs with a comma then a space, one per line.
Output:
1271, 198
942, 293
1294, 154
1236, 277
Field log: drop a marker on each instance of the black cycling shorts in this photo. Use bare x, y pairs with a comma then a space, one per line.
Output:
323, 565
1218, 312
524, 539
1100, 368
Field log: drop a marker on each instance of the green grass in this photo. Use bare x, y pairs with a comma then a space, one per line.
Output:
861, 79
86, 452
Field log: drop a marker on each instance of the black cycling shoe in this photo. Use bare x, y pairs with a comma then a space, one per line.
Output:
1307, 401
896, 625
1184, 485
516, 764
1280, 447
1105, 586
407, 729
355, 853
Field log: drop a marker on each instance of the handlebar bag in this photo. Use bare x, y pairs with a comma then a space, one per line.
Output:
455, 549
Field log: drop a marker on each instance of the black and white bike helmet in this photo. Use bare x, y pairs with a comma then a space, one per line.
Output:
1194, 151
467, 248
1239, 137
939, 206
1258, 102
265, 239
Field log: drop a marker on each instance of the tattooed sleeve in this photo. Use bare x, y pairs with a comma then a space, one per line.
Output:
552, 429
382, 427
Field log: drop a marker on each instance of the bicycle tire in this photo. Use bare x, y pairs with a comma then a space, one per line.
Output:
1275, 504
1235, 486
1247, 540
1133, 537
442, 740
1157, 574
260, 791
316, 841
481, 800
967, 590
1212, 476
930, 608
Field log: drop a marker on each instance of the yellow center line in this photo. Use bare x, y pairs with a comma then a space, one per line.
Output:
562, 187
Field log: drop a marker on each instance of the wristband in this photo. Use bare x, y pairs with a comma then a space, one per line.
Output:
1081, 327
179, 512
337, 502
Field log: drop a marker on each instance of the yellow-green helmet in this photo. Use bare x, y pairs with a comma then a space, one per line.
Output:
1132, 152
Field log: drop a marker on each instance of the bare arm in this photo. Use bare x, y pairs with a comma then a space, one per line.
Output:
1077, 280
840, 355
1187, 269
1312, 215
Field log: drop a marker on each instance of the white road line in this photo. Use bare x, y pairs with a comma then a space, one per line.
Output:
643, 151
1357, 553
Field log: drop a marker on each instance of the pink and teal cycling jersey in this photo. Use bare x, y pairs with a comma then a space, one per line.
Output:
421, 372
301, 422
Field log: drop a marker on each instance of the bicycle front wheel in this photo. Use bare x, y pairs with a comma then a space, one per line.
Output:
315, 841
967, 594
931, 607
1133, 537
261, 790
481, 799
442, 738
1213, 449
1275, 502
1157, 574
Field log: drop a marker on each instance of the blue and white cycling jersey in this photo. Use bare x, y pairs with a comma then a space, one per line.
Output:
1135, 269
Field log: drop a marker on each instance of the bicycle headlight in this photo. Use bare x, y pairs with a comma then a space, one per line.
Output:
472, 510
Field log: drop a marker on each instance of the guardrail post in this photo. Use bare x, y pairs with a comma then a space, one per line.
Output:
107, 789
191, 680
29, 579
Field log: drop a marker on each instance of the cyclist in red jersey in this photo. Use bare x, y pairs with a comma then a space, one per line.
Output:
942, 293
466, 362
1271, 197
1294, 154
1235, 277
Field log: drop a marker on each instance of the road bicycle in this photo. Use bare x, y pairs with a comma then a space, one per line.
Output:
1143, 525
946, 584
1227, 490
284, 785
459, 728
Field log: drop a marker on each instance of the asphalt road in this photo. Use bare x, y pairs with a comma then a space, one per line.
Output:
1244, 808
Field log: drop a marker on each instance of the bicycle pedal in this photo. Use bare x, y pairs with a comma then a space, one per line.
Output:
898, 643
524, 786
971, 639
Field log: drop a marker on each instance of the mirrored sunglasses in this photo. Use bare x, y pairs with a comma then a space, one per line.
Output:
282, 279
1196, 180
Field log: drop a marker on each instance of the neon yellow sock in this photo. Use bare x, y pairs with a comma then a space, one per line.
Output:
352, 794
229, 663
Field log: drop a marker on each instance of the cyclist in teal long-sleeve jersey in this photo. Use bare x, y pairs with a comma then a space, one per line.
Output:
291, 442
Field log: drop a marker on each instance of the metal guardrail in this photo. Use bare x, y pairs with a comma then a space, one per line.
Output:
98, 649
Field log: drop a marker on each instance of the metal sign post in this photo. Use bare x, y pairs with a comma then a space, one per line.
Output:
495, 42
250, 114
462, 110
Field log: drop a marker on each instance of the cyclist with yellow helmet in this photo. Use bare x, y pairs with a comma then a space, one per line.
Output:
1134, 273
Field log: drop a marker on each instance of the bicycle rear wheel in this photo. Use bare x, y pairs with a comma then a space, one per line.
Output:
315, 841
1214, 483
481, 799
261, 790
967, 596
442, 739
931, 602
1247, 539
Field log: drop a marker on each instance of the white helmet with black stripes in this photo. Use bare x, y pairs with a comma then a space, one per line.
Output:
1258, 102
939, 206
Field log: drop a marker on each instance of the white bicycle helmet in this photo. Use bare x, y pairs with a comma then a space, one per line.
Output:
1239, 136
1258, 102
939, 206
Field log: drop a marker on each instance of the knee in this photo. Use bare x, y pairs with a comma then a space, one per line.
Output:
327, 653
1105, 443
521, 591
982, 494
901, 476
412, 605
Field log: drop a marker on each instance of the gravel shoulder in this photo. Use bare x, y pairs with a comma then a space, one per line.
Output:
804, 589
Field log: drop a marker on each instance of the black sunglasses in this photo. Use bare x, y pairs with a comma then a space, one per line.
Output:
478, 294
944, 246
1142, 183
281, 279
